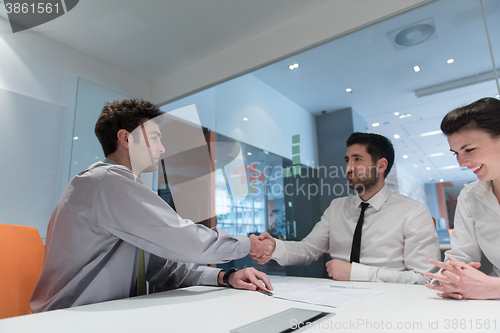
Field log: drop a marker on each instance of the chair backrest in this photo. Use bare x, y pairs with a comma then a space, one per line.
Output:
21, 260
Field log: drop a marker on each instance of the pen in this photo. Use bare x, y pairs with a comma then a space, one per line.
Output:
265, 292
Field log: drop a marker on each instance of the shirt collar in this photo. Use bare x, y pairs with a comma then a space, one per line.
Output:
110, 161
377, 200
481, 189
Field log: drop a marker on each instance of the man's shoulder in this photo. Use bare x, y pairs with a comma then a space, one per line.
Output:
100, 170
405, 200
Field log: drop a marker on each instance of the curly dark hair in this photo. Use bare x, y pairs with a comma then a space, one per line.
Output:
378, 146
482, 115
124, 114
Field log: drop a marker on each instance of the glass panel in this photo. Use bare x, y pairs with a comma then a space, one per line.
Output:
397, 78
86, 149
492, 13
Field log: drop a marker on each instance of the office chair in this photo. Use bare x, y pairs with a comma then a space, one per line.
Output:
21, 260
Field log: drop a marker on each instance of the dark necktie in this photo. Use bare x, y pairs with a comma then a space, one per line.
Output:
356, 240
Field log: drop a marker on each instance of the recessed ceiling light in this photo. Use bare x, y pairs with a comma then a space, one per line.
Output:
431, 133
349, 90
416, 166
396, 113
405, 156
406, 115
375, 124
450, 61
498, 95
249, 153
396, 136
245, 119
430, 179
450, 167
435, 155
293, 66
75, 138
416, 69
428, 168
441, 180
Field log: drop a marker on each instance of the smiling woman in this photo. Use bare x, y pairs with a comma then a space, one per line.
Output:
473, 133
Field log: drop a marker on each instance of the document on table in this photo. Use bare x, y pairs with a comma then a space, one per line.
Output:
332, 294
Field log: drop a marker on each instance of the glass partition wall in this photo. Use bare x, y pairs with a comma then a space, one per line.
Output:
397, 78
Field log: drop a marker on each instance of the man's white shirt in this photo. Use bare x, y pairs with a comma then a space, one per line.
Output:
398, 237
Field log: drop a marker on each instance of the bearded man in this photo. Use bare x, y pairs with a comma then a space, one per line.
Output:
375, 235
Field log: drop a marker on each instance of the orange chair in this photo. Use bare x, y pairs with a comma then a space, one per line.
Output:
21, 260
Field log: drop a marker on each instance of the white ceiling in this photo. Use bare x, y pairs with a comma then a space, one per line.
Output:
383, 80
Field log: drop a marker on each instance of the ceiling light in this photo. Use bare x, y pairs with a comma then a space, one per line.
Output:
293, 66
249, 153
431, 133
450, 167
430, 179
416, 166
245, 119
454, 84
396, 113
450, 61
349, 90
396, 136
405, 156
428, 168
375, 124
406, 115
435, 155
416, 69
498, 96
75, 138
441, 180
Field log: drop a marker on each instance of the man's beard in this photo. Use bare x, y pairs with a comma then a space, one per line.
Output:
361, 185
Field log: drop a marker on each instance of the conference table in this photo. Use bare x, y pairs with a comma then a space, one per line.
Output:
401, 308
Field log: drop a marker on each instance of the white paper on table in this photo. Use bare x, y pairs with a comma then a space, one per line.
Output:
322, 294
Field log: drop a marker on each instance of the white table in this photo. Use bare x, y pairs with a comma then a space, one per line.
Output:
215, 309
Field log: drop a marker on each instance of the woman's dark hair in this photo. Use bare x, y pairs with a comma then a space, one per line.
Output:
125, 114
482, 115
378, 146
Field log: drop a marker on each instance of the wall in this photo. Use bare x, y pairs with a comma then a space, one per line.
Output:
38, 79
432, 200
333, 130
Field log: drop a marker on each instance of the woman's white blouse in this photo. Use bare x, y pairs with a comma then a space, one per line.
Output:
477, 226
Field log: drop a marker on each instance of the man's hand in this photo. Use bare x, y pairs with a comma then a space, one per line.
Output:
339, 270
248, 278
458, 280
262, 247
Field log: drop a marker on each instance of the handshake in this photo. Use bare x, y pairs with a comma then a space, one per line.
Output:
262, 247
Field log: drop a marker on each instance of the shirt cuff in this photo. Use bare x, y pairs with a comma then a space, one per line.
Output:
211, 276
245, 245
280, 250
359, 272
